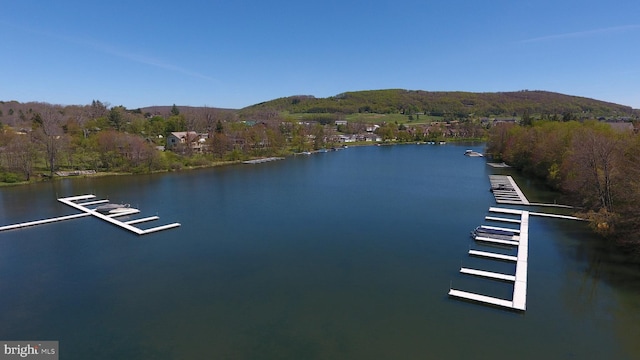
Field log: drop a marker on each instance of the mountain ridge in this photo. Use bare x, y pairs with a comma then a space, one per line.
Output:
455, 103
452, 104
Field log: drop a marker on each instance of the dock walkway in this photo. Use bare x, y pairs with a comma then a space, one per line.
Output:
506, 191
111, 218
41, 222
76, 203
262, 160
519, 279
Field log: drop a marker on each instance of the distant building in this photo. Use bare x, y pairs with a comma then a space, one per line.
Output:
507, 120
373, 137
192, 139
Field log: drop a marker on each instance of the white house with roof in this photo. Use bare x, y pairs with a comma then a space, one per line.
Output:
194, 140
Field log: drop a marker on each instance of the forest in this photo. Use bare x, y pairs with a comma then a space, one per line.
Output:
451, 105
596, 164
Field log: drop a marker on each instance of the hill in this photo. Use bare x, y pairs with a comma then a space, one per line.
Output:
456, 104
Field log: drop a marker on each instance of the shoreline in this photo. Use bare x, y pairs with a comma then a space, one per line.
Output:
45, 177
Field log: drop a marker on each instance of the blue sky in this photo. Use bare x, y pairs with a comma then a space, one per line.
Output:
237, 53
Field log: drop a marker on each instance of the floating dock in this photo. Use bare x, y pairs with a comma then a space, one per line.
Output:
76, 203
506, 191
519, 279
40, 222
494, 218
263, 160
491, 255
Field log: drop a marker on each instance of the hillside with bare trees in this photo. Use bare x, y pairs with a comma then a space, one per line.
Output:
597, 165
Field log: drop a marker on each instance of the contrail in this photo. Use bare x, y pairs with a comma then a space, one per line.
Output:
113, 51
584, 33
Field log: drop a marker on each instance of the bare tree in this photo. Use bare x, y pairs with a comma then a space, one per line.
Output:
594, 167
49, 133
98, 109
19, 155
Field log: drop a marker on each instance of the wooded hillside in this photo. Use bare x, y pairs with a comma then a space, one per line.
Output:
454, 104
596, 164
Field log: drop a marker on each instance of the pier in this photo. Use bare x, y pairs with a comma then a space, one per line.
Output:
506, 191
263, 160
76, 203
111, 218
40, 222
519, 279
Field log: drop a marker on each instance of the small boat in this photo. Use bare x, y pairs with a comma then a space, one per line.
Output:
492, 233
472, 153
112, 208
501, 187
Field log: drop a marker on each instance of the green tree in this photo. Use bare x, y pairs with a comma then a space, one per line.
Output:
175, 123
174, 110
116, 117
219, 128
527, 120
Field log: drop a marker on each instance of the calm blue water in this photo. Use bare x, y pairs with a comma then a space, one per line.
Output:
342, 255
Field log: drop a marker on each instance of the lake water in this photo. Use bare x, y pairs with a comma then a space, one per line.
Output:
339, 255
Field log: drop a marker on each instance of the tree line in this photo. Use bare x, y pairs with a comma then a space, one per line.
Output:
46, 138
596, 165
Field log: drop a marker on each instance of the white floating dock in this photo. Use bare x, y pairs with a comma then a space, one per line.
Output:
40, 222
262, 160
488, 274
138, 221
505, 211
506, 191
94, 202
481, 298
499, 228
567, 217
494, 218
492, 255
519, 279
496, 241
74, 201
71, 201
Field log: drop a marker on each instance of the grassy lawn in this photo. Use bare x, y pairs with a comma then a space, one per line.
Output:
399, 118
369, 118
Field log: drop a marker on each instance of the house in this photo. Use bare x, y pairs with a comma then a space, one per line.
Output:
194, 140
507, 120
373, 137
347, 138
